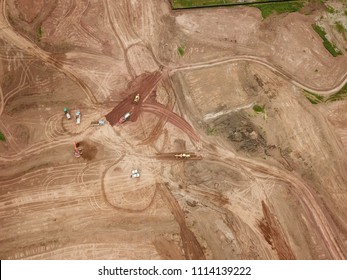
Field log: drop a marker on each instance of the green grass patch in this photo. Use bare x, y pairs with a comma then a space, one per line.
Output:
268, 9
340, 27
211, 131
341, 94
327, 44
2, 137
330, 9
181, 50
39, 34
314, 98
258, 108
186, 4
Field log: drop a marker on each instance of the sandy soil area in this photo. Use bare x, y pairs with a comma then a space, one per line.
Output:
218, 180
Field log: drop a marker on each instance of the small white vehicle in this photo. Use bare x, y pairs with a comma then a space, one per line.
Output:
78, 117
135, 173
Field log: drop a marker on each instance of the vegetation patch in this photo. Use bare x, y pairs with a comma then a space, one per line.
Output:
211, 131
340, 27
186, 4
316, 98
39, 33
2, 137
279, 8
258, 109
313, 97
181, 50
330, 9
327, 44
341, 94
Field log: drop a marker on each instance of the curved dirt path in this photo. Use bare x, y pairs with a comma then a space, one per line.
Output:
287, 76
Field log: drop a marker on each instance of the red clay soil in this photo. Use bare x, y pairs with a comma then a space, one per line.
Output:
191, 246
274, 235
145, 86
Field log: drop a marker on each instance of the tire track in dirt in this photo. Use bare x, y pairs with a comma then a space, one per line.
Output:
113, 206
9, 34
155, 133
300, 189
191, 246
111, 21
171, 117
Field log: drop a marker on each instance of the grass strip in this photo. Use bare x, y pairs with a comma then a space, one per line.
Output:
327, 44
2, 137
186, 4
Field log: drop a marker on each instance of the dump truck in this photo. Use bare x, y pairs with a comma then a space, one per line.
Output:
125, 117
67, 113
78, 117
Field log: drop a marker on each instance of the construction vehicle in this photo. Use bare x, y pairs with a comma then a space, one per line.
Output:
97, 123
137, 98
78, 151
182, 156
67, 113
135, 173
125, 117
78, 117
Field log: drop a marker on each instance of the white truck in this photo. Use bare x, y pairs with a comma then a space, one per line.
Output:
78, 117
135, 173
124, 118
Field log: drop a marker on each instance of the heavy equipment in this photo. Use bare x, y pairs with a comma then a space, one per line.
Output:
77, 152
78, 117
135, 173
97, 123
137, 98
67, 113
182, 155
125, 117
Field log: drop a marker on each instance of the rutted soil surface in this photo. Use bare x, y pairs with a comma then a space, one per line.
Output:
218, 180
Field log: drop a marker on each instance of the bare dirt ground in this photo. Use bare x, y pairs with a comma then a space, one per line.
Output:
257, 186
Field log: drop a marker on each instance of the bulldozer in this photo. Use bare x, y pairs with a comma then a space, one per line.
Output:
136, 98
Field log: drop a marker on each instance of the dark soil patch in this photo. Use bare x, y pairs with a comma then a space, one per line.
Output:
241, 131
88, 149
